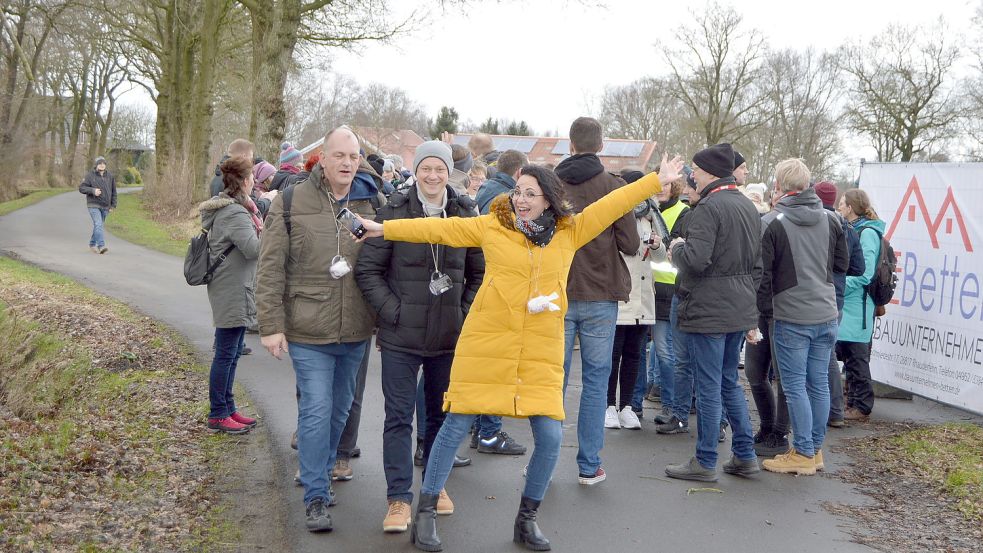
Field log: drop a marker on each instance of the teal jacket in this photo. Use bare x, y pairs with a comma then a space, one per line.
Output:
857, 324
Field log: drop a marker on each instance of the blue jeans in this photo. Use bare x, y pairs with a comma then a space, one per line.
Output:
642, 381
421, 409
488, 425
663, 359
683, 373
547, 435
326, 375
714, 359
228, 348
98, 216
594, 322
802, 354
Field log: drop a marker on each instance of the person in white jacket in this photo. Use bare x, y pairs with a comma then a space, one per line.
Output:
635, 316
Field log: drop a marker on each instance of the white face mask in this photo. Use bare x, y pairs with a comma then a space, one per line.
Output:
339, 267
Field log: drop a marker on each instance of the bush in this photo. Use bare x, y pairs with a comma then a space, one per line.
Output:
132, 177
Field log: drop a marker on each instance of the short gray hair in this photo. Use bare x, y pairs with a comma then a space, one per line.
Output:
792, 175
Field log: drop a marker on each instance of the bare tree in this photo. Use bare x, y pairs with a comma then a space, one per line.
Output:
973, 86
900, 97
714, 63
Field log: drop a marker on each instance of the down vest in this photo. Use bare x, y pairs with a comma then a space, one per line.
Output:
395, 279
509, 361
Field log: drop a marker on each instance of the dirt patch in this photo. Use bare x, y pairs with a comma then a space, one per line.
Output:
123, 461
912, 510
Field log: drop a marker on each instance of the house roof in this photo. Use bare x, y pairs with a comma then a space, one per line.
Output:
616, 155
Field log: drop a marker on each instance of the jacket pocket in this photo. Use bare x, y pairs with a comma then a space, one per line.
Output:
250, 301
307, 310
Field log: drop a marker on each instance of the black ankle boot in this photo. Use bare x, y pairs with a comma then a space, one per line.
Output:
526, 530
424, 533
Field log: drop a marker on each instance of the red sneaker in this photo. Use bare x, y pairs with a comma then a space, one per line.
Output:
227, 425
243, 419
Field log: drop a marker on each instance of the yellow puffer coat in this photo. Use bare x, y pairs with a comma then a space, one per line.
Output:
508, 361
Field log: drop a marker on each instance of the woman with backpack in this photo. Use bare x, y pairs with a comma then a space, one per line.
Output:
857, 326
231, 218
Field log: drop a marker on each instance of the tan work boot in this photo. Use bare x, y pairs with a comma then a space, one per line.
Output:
444, 504
820, 465
855, 415
398, 517
791, 463
342, 470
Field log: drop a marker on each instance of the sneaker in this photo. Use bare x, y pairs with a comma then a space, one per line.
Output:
293, 441
672, 426
664, 416
397, 517
103, 249
94, 249
461, 461
628, 419
855, 415
356, 453
835, 423
591, 479
418, 455
761, 435
741, 467
525, 473
611, 417
444, 504
501, 444
818, 458
691, 470
227, 425
773, 444
297, 478
247, 351
474, 439
318, 519
722, 437
243, 419
791, 462
342, 470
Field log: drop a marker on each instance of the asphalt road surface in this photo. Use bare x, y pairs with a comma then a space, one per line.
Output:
637, 508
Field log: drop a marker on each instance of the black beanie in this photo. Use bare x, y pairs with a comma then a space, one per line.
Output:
738, 159
632, 176
718, 160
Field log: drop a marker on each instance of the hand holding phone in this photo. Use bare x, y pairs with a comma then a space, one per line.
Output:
350, 221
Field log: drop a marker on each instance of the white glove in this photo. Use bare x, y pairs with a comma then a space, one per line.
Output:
543, 303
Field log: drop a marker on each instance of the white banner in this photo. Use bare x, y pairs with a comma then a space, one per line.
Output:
930, 342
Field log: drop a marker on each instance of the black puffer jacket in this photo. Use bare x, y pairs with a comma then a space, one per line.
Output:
395, 280
720, 262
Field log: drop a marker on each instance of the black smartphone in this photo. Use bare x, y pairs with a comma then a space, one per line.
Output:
350, 222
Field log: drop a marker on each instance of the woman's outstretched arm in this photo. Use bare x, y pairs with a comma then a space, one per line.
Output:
456, 232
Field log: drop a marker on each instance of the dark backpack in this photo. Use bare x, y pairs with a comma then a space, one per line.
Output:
197, 270
885, 278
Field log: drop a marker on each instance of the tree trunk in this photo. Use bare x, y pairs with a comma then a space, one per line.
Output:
275, 38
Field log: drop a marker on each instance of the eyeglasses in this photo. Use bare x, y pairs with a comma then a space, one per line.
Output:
527, 195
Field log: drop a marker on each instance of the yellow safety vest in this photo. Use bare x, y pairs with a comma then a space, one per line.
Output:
663, 271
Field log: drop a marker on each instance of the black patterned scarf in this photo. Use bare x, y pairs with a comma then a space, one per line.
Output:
540, 230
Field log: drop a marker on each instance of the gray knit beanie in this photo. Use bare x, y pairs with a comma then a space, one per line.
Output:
433, 148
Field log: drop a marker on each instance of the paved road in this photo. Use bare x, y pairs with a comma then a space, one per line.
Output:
637, 507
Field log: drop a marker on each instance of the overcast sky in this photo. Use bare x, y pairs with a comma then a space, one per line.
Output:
545, 61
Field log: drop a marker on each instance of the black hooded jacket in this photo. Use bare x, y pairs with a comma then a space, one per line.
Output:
395, 280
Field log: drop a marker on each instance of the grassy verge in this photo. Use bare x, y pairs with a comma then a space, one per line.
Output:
949, 457
102, 445
30, 199
132, 222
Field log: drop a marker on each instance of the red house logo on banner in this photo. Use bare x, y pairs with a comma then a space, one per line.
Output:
913, 206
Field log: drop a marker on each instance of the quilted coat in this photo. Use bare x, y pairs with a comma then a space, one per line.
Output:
508, 361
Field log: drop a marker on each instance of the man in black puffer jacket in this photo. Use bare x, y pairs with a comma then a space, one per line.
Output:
718, 258
421, 293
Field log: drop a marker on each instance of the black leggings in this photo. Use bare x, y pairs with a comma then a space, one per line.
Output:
625, 359
757, 365
856, 365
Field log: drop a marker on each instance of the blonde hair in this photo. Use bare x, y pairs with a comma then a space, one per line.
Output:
859, 202
792, 175
479, 167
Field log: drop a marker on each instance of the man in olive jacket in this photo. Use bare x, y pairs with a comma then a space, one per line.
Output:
719, 264
307, 297
419, 321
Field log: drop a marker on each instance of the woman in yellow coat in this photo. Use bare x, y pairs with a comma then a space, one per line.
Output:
509, 358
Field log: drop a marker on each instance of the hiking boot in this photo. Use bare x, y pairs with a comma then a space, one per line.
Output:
227, 425
835, 423
773, 444
611, 417
461, 461
591, 479
672, 426
628, 419
741, 467
444, 504
424, 533
761, 435
654, 393
342, 470
691, 470
526, 530
818, 458
855, 415
397, 517
501, 444
791, 462
243, 419
664, 416
474, 439
293, 441
722, 437
103, 249
418, 455
318, 519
